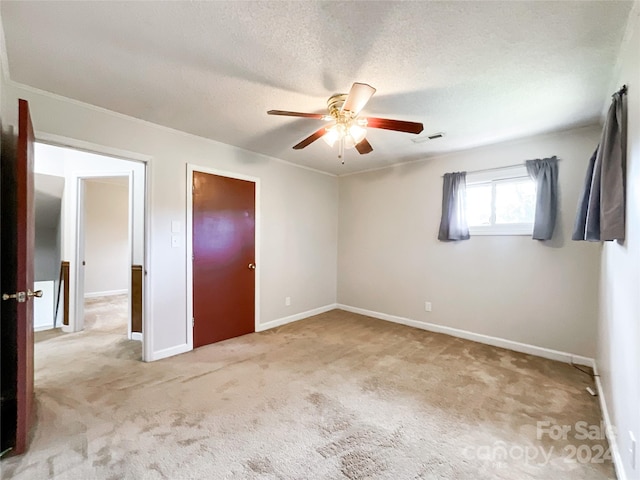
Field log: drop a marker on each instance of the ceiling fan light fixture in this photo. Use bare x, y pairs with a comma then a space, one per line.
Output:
332, 136
357, 133
351, 135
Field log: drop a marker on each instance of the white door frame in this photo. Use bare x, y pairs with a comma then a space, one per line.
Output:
81, 179
189, 239
146, 160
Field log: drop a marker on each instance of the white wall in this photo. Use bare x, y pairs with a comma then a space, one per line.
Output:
46, 262
511, 287
298, 217
4, 105
44, 307
106, 237
619, 327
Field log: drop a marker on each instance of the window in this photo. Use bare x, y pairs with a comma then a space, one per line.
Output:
501, 202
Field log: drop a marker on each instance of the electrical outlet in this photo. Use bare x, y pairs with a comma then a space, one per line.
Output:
427, 306
287, 301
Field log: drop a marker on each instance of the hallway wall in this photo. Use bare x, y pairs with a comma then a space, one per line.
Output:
106, 237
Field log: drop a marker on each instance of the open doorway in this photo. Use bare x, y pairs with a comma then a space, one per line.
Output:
99, 235
105, 249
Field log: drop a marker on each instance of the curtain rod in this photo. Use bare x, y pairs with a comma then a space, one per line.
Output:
517, 165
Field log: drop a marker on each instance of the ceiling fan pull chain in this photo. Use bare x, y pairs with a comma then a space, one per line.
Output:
341, 149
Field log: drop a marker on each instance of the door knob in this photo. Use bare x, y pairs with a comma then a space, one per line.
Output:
252, 266
22, 297
19, 296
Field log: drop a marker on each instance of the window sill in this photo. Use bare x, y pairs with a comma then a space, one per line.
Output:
515, 230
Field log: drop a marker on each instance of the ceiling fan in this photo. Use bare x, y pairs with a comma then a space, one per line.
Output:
348, 129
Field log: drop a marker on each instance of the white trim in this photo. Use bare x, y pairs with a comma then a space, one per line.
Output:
106, 293
476, 337
147, 304
130, 227
169, 352
586, 361
521, 229
492, 178
77, 270
294, 318
136, 336
189, 242
609, 428
42, 328
94, 148
189, 319
76, 315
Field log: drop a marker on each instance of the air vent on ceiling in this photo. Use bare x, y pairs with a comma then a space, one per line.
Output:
433, 136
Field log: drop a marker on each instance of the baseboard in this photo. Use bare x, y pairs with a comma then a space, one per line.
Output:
136, 336
294, 318
106, 293
169, 352
42, 328
476, 337
613, 441
178, 349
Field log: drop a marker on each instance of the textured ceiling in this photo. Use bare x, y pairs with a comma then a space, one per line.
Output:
479, 71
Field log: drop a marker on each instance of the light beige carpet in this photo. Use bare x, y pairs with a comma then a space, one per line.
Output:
336, 396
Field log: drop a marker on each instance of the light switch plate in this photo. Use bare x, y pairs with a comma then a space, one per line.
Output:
175, 241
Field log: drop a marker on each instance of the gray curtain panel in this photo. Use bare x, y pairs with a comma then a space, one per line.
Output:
545, 173
601, 210
453, 224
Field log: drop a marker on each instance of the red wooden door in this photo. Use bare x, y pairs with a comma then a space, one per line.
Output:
18, 224
223, 258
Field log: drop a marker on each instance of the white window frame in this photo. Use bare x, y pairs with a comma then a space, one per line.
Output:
492, 177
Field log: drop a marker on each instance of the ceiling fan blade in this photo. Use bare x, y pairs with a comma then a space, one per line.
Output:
364, 147
358, 97
310, 139
296, 114
397, 125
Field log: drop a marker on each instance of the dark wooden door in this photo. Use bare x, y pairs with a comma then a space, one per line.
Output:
18, 229
223, 258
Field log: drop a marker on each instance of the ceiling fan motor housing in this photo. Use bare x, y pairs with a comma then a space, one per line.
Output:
335, 103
